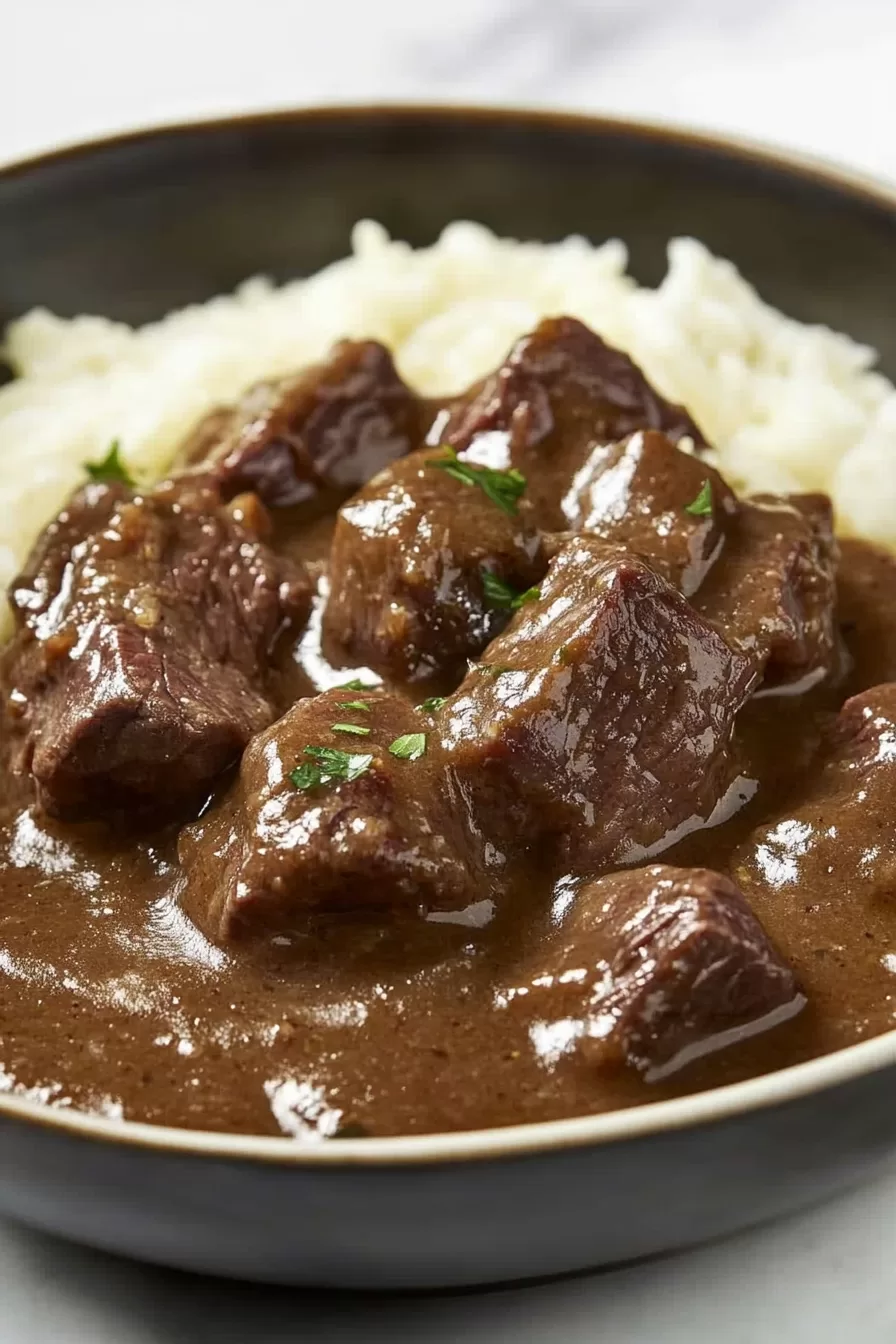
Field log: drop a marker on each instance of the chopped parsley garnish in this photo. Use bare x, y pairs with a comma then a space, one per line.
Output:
307, 776
355, 685
530, 595
326, 765
360, 706
433, 704
110, 469
350, 728
497, 592
494, 669
410, 747
702, 505
501, 487
500, 594
563, 655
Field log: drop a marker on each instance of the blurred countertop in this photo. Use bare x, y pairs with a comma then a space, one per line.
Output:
815, 74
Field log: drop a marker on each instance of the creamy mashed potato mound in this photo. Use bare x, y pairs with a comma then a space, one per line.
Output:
787, 406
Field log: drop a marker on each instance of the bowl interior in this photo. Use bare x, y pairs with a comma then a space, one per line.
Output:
133, 227
136, 226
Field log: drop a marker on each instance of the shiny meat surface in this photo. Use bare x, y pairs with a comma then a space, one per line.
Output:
561, 393
427, 898
139, 671
648, 495
601, 723
412, 557
359, 828
773, 591
43, 577
655, 967
839, 839
325, 431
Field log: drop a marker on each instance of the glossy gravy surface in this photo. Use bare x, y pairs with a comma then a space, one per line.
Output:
111, 1001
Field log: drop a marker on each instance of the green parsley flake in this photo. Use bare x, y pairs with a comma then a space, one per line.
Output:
355, 685
500, 594
110, 469
433, 704
351, 728
497, 592
702, 505
530, 595
503, 488
327, 765
307, 776
361, 706
410, 747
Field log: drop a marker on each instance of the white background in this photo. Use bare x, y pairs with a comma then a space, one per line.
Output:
818, 74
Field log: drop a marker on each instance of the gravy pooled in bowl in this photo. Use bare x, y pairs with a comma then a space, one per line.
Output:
400, 766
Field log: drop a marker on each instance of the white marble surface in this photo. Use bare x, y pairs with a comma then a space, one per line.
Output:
813, 73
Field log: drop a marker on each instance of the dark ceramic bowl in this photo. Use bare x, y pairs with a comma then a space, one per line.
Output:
135, 226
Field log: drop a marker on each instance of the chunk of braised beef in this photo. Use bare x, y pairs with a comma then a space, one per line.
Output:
838, 841
774, 590
414, 564
140, 673
561, 392
39, 583
366, 831
645, 493
326, 430
654, 967
602, 719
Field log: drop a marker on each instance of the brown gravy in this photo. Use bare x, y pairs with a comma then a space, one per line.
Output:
111, 1002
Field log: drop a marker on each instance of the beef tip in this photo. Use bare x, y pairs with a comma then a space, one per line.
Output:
423, 570
774, 590
88, 510
138, 671
648, 495
603, 716
654, 967
561, 392
329, 429
839, 841
369, 833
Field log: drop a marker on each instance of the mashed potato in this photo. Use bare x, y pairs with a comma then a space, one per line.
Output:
788, 406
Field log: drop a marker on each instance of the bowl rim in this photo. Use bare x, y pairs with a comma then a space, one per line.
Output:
789, 161
634, 1123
